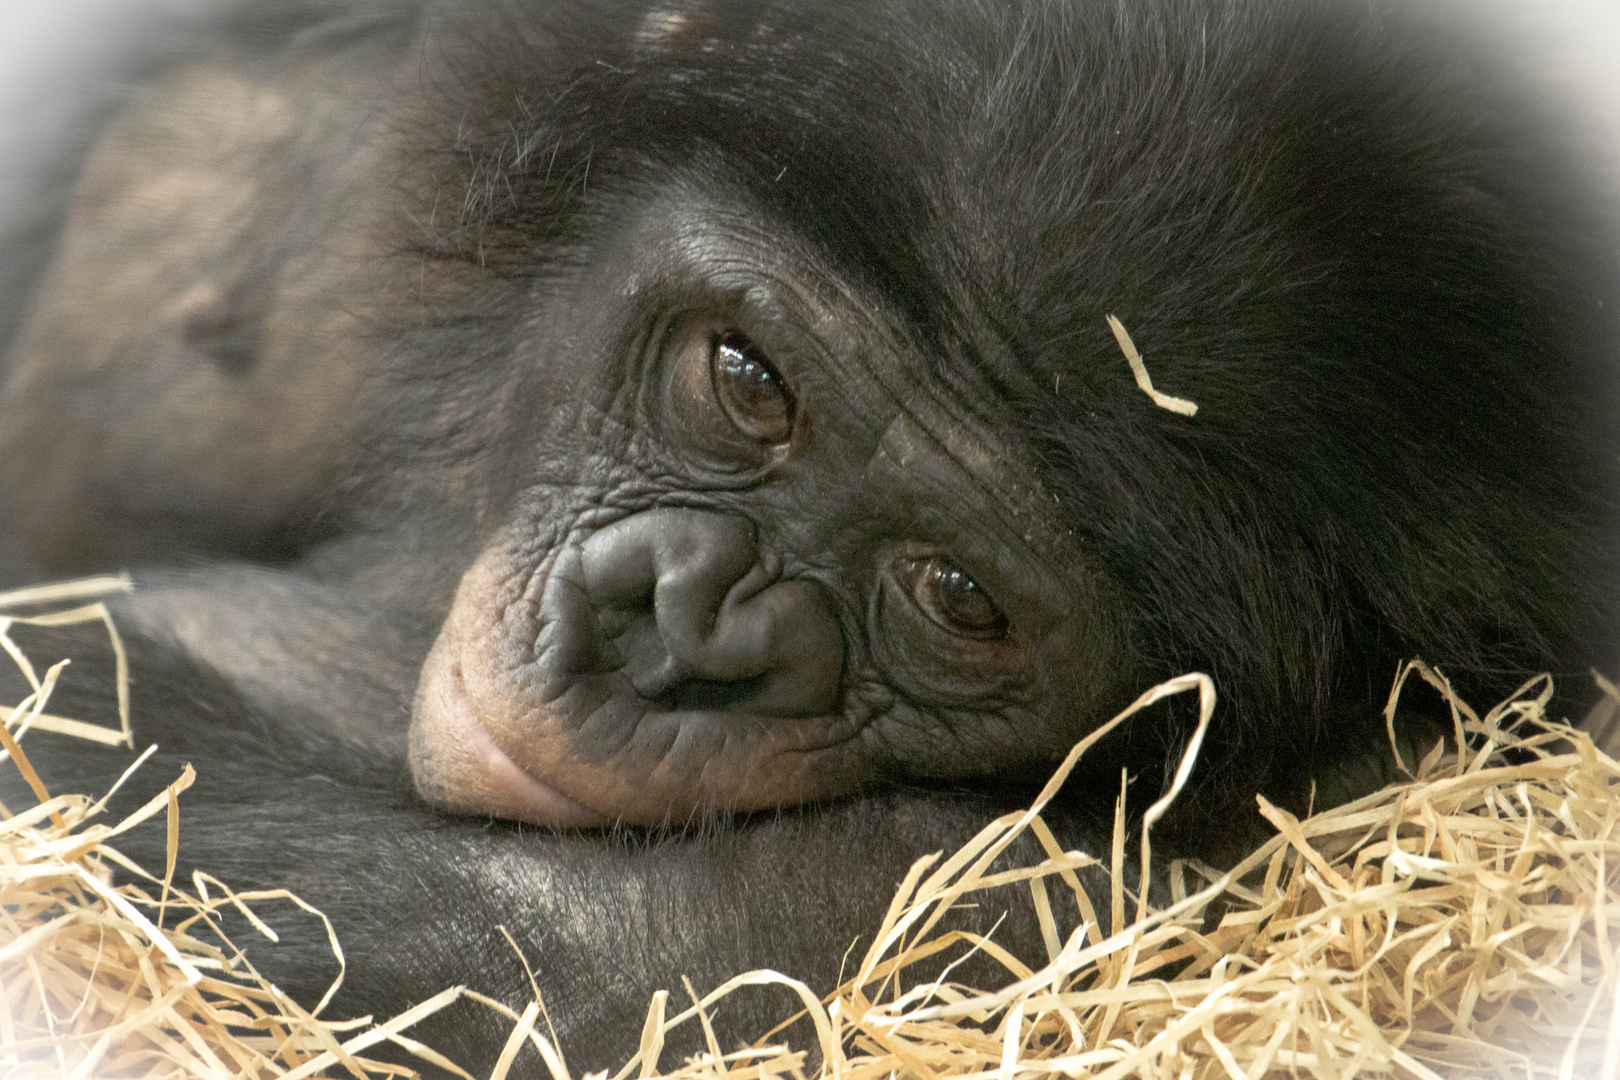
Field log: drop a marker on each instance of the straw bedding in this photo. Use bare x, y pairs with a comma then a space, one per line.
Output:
1463, 923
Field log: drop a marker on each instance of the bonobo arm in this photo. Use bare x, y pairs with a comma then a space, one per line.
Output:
419, 897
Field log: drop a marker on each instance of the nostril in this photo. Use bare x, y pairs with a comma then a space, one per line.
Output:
711, 695
645, 658
785, 644
656, 677
619, 619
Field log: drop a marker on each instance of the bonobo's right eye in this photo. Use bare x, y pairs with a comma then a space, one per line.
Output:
752, 394
952, 599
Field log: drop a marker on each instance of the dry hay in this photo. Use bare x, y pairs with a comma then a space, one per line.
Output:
1461, 924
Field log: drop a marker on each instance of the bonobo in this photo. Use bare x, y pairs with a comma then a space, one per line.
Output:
645, 414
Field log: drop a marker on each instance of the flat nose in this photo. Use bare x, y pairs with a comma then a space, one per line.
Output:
697, 613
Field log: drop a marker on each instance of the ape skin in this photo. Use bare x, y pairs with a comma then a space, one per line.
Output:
663, 412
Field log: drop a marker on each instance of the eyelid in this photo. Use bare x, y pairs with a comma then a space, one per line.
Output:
926, 660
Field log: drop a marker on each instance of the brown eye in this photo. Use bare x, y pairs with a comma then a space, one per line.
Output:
956, 601
750, 392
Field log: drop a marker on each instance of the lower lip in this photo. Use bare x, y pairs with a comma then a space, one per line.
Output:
490, 781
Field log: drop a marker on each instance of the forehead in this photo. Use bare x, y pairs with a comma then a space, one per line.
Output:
986, 173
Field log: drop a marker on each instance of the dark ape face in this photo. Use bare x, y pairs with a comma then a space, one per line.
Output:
789, 564
772, 343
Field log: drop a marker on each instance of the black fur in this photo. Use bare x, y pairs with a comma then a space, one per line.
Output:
1380, 261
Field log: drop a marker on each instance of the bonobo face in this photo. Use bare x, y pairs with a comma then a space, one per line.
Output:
767, 349
787, 563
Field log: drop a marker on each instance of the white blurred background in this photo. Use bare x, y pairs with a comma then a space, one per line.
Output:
63, 63
58, 59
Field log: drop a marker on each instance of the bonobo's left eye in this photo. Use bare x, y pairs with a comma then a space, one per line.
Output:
752, 394
954, 600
